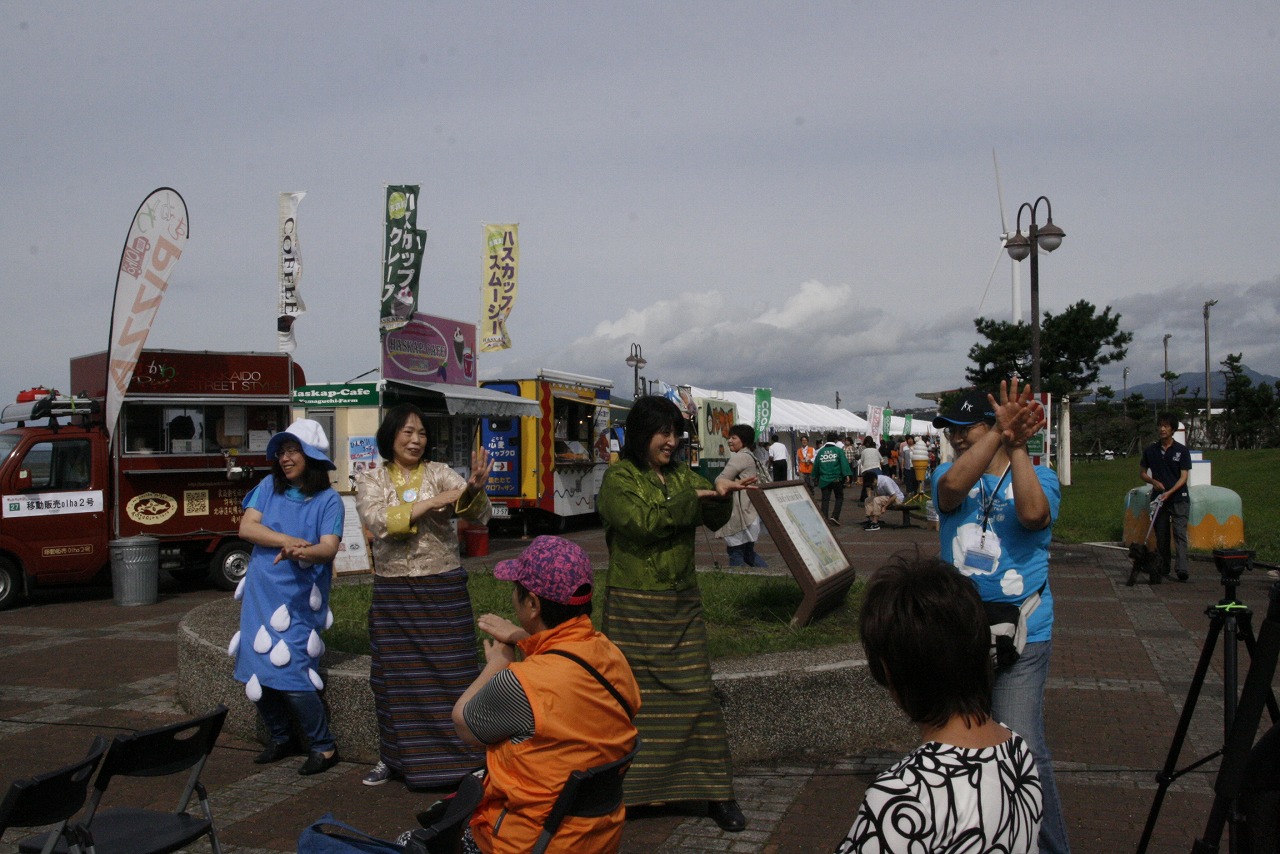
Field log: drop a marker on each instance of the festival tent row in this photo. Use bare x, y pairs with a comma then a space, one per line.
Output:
798, 417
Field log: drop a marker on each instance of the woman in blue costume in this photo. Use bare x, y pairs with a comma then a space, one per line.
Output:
294, 520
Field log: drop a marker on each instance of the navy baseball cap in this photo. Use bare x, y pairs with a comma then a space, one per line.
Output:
969, 409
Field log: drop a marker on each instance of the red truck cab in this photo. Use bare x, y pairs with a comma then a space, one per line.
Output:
189, 445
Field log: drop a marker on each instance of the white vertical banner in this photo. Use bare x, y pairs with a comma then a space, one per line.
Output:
156, 237
290, 273
875, 420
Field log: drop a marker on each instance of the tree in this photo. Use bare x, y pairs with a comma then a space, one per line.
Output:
1252, 412
1074, 345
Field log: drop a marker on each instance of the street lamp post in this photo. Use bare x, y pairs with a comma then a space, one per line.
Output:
1125, 394
1166, 371
636, 361
1208, 390
1047, 238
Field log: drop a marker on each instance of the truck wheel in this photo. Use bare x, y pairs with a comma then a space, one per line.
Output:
10, 583
229, 564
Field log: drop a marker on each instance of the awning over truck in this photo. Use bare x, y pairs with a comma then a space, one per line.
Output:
469, 400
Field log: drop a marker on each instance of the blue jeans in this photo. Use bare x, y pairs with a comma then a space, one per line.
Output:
1018, 703
1171, 524
307, 707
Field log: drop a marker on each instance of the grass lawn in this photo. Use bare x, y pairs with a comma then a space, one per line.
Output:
746, 614
1093, 506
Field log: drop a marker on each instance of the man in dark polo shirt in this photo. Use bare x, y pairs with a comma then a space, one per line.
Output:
1166, 465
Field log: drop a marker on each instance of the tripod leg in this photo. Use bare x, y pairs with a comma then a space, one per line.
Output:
1257, 692
1170, 772
1251, 644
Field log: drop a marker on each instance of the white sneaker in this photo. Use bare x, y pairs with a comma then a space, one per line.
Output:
380, 774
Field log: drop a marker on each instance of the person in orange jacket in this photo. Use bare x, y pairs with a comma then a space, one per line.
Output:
546, 715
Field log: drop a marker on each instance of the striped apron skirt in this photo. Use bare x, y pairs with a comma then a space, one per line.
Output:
684, 752
423, 644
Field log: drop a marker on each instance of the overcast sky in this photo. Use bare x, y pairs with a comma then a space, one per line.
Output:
792, 195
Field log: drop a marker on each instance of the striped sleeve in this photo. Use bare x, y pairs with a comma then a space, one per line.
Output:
500, 710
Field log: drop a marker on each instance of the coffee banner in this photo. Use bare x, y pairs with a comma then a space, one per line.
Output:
290, 272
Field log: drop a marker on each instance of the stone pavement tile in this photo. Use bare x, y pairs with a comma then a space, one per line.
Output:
97, 663
1099, 654
822, 813
1108, 818
1126, 729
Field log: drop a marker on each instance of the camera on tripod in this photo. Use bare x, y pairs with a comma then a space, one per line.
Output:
1232, 563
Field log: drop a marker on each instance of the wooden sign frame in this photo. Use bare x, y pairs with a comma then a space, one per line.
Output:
817, 561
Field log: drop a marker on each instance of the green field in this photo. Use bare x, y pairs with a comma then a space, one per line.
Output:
746, 614
1093, 506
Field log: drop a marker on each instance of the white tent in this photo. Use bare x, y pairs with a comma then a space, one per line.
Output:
792, 416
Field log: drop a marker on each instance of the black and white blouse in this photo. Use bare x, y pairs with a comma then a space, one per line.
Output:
941, 798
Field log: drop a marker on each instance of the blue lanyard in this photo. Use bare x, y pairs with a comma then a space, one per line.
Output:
988, 505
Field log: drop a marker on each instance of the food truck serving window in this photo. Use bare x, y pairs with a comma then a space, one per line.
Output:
178, 429
575, 431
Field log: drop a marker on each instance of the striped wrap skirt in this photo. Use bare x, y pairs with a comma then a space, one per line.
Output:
423, 645
684, 752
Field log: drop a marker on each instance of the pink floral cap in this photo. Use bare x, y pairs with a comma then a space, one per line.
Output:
551, 567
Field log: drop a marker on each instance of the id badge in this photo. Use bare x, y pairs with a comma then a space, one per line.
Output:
979, 559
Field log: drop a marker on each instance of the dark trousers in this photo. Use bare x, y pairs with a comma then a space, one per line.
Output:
779, 470
307, 709
838, 489
1171, 525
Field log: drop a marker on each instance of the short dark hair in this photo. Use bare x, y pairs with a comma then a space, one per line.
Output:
1168, 419
392, 423
650, 414
870, 478
555, 613
868, 442
745, 432
832, 436
926, 637
314, 477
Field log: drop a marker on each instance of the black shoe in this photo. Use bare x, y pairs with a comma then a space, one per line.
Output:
276, 751
318, 762
834, 521
1182, 576
728, 815
873, 527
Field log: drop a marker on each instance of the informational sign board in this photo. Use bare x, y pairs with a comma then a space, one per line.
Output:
816, 560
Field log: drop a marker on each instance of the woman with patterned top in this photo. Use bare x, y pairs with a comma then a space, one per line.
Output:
972, 784
421, 626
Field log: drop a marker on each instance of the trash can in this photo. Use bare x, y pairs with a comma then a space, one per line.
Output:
135, 570
476, 540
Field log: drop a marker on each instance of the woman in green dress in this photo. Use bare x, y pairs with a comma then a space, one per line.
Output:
651, 507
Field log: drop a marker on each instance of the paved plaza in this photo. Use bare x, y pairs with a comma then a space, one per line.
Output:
74, 665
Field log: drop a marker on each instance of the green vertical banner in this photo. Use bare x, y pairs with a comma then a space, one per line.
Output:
401, 256
888, 420
764, 413
906, 424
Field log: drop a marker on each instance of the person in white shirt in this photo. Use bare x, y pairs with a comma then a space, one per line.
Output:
882, 493
778, 458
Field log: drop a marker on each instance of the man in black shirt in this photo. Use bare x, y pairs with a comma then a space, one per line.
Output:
1166, 465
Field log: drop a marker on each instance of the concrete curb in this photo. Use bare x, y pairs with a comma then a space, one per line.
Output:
776, 706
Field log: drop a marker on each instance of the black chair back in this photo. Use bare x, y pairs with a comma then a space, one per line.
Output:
51, 797
162, 751
588, 794
444, 835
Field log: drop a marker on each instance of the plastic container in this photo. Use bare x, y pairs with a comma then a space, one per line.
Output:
476, 540
135, 570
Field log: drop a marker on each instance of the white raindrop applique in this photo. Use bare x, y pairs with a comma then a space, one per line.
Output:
262, 641
280, 619
280, 655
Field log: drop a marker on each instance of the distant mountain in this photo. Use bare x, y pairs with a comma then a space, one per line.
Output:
1194, 380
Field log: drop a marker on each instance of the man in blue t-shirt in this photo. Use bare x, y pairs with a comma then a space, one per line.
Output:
997, 511
1166, 465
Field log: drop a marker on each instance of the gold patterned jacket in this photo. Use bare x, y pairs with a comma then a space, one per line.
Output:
428, 546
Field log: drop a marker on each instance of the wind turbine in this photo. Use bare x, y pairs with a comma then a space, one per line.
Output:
1005, 234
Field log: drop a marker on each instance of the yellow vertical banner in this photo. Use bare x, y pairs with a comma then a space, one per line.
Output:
498, 295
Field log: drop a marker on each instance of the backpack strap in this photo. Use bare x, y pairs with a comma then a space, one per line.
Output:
626, 707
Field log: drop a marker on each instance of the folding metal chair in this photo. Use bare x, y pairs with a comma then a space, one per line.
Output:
53, 798
154, 753
587, 794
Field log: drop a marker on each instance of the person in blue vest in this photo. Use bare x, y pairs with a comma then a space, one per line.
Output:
997, 511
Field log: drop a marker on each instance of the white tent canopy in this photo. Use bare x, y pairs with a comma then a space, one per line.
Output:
792, 415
